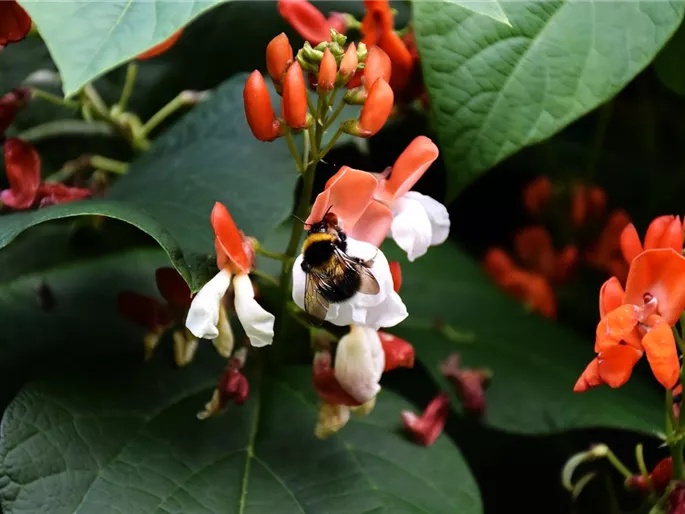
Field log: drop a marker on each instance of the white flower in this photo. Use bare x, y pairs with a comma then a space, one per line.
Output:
203, 318
419, 222
359, 363
384, 309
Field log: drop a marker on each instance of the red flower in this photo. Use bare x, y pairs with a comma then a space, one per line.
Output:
428, 427
160, 48
639, 321
22, 164
326, 385
605, 254
15, 24
676, 500
660, 477
10, 104
469, 384
398, 352
537, 195
309, 22
535, 250
663, 232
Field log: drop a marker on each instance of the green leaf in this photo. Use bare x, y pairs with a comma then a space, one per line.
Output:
535, 362
669, 66
495, 89
87, 37
169, 192
128, 441
490, 8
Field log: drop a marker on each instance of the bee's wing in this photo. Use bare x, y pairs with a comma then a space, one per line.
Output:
314, 303
368, 283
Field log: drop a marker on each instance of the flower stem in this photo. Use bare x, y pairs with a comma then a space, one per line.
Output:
131, 74
54, 99
184, 98
67, 128
331, 143
294, 152
334, 116
107, 164
616, 463
269, 254
265, 276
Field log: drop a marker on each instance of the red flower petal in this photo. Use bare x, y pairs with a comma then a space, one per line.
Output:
258, 110
326, 385
142, 310
161, 47
396, 273
590, 378
610, 296
279, 54
661, 273
10, 103
22, 165
656, 230
306, 19
534, 247
427, 428
631, 246
660, 348
409, 167
374, 225
15, 24
377, 66
537, 194
52, 193
398, 352
229, 237
616, 364
172, 287
294, 103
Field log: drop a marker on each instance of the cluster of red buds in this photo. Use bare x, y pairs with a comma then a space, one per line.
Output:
331, 65
536, 267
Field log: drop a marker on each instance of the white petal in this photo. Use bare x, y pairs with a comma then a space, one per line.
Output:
257, 323
359, 363
437, 214
411, 227
203, 315
384, 309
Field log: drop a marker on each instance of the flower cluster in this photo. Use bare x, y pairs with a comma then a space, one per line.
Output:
537, 267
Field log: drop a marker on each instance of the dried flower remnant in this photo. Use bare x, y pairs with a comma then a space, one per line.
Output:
469, 384
425, 429
233, 386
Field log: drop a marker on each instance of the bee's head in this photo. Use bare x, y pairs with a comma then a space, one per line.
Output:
329, 220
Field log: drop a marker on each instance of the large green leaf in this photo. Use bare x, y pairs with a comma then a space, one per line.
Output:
669, 66
491, 8
495, 89
535, 362
128, 441
209, 156
87, 37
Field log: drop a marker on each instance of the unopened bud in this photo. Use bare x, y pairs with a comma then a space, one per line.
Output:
362, 52
348, 65
376, 109
377, 66
356, 96
676, 500
258, 110
311, 54
337, 37
305, 64
294, 103
327, 72
279, 55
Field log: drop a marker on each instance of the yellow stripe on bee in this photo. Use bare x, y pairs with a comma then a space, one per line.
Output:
316, 238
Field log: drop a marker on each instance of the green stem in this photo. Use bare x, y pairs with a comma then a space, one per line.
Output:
331, 143
183, 99
620, 467
269, 254
54, 99
107, 164
640, 458
67, 128
265, 276
671, 422
131, 74
334, 116
97, 102
294, 152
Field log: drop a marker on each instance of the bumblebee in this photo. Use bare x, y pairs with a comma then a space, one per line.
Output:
332, 276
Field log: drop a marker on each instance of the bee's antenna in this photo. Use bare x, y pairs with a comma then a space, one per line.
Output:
299, 219
328, 210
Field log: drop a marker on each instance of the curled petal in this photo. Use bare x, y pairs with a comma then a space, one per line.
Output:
332, 417
279, 54
374, 224
411, 228
660, 348
661, 273
427, 428
258, 110
229, 237
631, 246
610, 296
409, 168
257, 322
22, 165
377, 20
589, 379
359, 363
376, 109
203, 315
398, 352
396, 272
621, 321
294, 103
616, 364
348, 194
53, 193
306, 19
172, 287
162, 47
15, 24
437, 215
377, 66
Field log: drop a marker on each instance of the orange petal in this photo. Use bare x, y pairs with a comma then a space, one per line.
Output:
616, 364
659, 345
610, 296
409, 168
534, 247
229, 237
376, 109
578, 204
497, 263
398, 352
377, 66
661, 273
673, 235
630, 243
598, 200
537, 194
396, 274
161, 47
306, 19
590, 378
328, 69
348, 194
655, 231
603, 339
373, 226
400, 57
622, 320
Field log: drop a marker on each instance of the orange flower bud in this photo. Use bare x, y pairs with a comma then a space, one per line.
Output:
349, 63
376, 109
377, 65
328, 70
295, 97
279, 54
162, 47
258, 111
